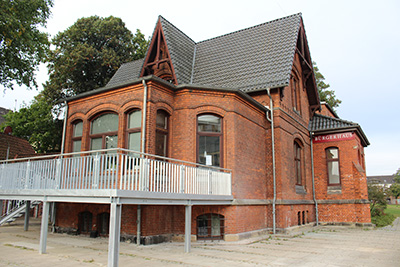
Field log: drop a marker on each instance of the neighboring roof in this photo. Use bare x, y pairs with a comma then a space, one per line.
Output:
381, 179
251, 59
320, 124
18, 147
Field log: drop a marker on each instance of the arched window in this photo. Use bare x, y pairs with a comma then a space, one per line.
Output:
209, 143
134, 129
77, 130
298, 156
332, 162
295, 84
162, 133
104, 131
210, 226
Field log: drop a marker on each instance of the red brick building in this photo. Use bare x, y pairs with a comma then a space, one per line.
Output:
246, 101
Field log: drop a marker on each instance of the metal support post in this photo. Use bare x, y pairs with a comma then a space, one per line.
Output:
44, 227
139, 215
114, 234
27, 211
188, 227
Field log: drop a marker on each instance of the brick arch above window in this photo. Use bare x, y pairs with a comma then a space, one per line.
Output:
102, 108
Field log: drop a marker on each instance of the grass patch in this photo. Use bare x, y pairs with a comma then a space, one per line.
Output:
393, 210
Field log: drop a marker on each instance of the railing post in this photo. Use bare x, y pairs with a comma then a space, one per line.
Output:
28, 167
96, 171
209, 183
182, 179
58, 173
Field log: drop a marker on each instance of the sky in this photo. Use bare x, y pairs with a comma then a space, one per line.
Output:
354, 43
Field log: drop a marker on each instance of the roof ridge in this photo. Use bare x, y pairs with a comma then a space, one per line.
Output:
336, 119
161, 17
248, 28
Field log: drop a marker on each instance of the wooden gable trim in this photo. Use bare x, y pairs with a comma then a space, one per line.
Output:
161, 65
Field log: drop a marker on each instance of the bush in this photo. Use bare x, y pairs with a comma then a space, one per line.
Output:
382, 220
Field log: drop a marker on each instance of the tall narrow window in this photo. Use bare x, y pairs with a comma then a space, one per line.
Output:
161, 133
104, 132
77, 136
209, 140
295, 93
297, 162
134, 125
332, 161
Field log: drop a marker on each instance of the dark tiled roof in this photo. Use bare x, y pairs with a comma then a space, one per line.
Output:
126, 72
18, 146
250, 59
181, 49
324, 124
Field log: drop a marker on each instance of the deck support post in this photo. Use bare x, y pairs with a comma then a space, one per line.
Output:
44, 227
188, 227
27, 211
114, 234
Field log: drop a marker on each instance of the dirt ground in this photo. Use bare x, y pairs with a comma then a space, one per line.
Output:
322, 246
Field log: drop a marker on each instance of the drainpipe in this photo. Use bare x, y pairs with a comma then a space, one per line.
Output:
271, 120
143, 150
313, 179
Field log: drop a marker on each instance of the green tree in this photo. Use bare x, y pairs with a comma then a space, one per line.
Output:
397, 176
36, 124
395, 190
377, 198
87, 54
325, 95
22, 45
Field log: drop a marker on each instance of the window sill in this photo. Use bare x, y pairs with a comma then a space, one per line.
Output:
337, 189
300, 190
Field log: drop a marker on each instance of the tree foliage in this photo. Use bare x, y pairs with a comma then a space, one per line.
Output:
377, 198
397, 176
87, 54
36, 124
395, 190
22, 45
325, 95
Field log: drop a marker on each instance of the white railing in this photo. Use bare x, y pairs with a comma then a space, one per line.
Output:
114, 169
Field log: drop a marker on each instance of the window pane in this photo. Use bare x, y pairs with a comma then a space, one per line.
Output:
134, 141
76, 146
209, 123
105, 123
332, 153
112, 141
162, 119
215, 225
161, 144
135, 119
78, 127
96, 143
333, 172
209, 153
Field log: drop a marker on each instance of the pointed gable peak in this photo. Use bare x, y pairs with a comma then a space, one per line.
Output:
158, 59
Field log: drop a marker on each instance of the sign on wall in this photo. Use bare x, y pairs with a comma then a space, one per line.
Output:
334, 137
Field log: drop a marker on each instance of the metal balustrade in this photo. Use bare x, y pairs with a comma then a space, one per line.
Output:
114, 169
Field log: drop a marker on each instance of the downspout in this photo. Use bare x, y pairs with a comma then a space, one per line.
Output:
143, 150
271, 120
313, 179
53, 206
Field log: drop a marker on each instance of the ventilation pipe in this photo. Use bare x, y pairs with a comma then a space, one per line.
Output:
313, 178
143, 150
271, 120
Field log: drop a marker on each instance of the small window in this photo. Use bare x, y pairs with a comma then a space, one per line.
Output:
295, 93
103, 223
161, 133
77, 136
104, 132
298, 162
134, 129
209, 131
85, 222
210, 226
332, 162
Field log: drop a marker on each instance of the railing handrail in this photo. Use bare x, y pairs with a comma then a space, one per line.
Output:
61, 155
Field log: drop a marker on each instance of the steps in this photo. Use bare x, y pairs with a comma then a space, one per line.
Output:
16, 212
